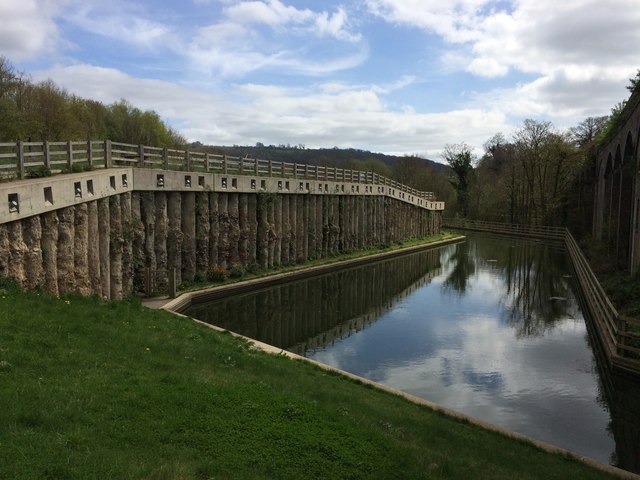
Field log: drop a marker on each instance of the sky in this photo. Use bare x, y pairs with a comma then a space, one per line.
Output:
399, 77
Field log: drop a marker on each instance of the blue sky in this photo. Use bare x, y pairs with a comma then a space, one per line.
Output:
393, 76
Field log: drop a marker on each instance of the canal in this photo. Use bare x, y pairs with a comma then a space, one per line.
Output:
491, 327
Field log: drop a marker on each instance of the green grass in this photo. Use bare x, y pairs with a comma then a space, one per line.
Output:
93, 390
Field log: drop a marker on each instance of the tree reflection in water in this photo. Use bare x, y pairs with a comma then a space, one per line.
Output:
464, 266
535, 296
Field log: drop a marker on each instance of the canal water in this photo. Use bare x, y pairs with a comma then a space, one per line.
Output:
490, 327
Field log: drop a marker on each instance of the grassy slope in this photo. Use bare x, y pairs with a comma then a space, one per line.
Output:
95, 390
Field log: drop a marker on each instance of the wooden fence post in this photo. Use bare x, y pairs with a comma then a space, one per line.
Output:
70, 155
172, 283
47, 157
621, 335
141, 156
89, 153
107, 154
224, 163
165, 158
20, 159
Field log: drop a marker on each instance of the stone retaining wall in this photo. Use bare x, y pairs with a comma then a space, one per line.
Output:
103, 246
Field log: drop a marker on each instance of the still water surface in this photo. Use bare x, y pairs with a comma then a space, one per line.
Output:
490, 327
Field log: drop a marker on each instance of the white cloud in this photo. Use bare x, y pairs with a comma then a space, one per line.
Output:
321, 115
566, 95
572, 60
540, 35
272, 12
123, 22
487, 67
275, 14
237, 45
533, 36
336, 25
456, 21
578, 54
28, 28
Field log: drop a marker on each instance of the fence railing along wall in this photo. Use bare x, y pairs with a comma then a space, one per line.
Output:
619, 334
18, 159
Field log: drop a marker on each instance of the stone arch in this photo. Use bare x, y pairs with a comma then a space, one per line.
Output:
634, 260
601, 210
613, 199
627, 171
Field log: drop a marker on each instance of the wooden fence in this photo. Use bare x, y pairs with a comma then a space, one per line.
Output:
18, 160
619, 334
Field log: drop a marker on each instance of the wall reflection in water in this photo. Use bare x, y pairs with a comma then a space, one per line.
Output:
490, 327
307, 314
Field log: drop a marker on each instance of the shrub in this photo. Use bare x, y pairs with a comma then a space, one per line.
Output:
216, 274
38, 172
237, 271
9, 285
199, 277
81, 167
254, 268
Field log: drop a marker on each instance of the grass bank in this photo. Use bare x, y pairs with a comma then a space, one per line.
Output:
622, 288
114, 390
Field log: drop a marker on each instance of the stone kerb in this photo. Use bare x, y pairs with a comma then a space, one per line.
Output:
25, 198
184, 181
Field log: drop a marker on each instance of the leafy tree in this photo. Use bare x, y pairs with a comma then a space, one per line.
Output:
371, 165
586, 132
491, 191
44, 111
461, 160
634, 83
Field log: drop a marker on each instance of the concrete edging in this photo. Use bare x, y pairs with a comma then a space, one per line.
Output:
187, 299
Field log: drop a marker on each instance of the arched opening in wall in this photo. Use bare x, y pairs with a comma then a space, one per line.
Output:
627, 174
603, 207
608, 216
598, 212
614, 203
635, 215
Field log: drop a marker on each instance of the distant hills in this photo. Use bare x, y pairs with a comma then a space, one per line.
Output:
335, 157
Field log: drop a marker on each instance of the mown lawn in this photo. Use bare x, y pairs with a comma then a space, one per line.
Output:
94, 390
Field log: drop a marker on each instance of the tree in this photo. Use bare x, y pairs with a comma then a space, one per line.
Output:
461, 160
547, 162
634, 83
586, 132
491, 191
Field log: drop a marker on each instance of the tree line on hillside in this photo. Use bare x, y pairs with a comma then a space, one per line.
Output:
43, 111
541, 176
416, 172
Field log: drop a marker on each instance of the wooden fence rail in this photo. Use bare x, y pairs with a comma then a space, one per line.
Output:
619, 334
23, 159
